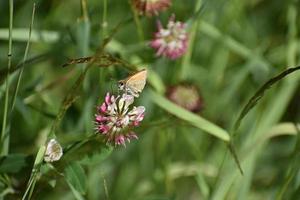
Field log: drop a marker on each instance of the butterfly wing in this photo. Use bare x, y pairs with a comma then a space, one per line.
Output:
136, 87
135, 83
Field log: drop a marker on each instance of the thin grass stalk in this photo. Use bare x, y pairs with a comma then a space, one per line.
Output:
293, 168
83, 31
83, 38
22, 67
84, 9
105, 188
29, 186
5, 136
104, 19
137, 23
186, 60
34, 172
104, 27
24, 59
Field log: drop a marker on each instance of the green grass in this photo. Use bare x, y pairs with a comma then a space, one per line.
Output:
235, 47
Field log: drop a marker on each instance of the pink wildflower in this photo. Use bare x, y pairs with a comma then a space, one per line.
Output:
115, 119
171, 42
186, 96
151, 7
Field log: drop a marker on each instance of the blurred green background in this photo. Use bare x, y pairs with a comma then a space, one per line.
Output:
235, 46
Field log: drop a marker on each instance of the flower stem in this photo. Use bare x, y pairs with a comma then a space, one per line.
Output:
138, 24
186, 61
84, 10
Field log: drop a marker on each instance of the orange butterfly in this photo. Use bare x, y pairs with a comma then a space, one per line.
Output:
135, 83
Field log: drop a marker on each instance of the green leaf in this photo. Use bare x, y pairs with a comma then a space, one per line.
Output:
77, 195
190, 117
76, 178
98, 156
12, 163
52, 183
260, 93
39, 156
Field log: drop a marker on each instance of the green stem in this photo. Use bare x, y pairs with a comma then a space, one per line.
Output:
78, 144
34, 172
104, 19
186, 61
28, 189
84, 10
24, 59
5, 138
138, 24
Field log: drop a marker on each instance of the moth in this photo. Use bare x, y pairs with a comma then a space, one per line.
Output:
135, 83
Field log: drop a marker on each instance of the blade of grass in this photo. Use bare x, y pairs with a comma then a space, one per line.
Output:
192, 118
24, 59
83, 38
76, 179
293, 168
185, 64
260, 93
282, 129
37, 35
29, 61
4, 135
286, 128
137, 22
83, 31
233, 152
104, 19
36, 166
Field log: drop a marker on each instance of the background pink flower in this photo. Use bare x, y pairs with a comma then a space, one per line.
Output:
171, 42
186, 96
151, 7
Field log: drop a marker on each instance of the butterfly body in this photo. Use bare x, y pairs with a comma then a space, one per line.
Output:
135, 83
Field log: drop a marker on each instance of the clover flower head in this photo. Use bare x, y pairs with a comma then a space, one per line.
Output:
186, 96
53, 151
172, 41
115, 118
151, 7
